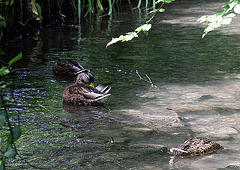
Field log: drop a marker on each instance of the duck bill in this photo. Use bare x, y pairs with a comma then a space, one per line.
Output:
92, 85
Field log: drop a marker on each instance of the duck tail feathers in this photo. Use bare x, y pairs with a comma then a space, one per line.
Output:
102, 98
104, 88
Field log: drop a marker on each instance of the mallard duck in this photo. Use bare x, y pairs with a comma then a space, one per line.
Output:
196, 146
78, 93
67, 67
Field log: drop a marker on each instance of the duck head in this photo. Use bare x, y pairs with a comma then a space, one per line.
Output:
85, 77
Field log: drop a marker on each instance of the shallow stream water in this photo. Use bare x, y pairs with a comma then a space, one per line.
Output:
196, 93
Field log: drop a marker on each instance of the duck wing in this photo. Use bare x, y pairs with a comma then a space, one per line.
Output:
104, 88
91, 93
70, 64
80, 93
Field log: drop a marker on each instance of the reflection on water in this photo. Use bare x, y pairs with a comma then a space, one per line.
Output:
86, 114
137, 124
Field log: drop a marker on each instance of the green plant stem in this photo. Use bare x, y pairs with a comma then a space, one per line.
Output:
139, 3
146, 5
79, 11
110, 7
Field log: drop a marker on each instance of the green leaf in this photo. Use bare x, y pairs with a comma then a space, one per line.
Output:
129, 36
8, 98
161, 10
233, 4
215, 24
208, 29
4, 70
113, 41
203, 19
226, 21
230, 15
7, 89
3, 24
18, 57
11, 153
3, 86
237, 9
220, 14
144, 27
226, 7
16, 133
9, 3
39, 10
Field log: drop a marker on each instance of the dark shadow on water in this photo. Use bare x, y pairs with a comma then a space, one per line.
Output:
86, 113
87, 117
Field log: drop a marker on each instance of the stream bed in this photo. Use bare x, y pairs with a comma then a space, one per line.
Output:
195, 92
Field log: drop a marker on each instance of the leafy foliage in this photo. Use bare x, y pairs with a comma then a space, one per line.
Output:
221, 18
145, 27
10, 133
130, 35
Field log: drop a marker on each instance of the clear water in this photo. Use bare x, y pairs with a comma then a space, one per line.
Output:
197, 78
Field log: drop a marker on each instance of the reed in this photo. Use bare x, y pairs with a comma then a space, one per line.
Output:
18, 15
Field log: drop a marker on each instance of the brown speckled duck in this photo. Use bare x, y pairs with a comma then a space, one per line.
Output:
196, 147
67, 67
78, 93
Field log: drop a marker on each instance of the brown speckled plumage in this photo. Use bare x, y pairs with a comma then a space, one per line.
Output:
196, 146
67, 67
78, 93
